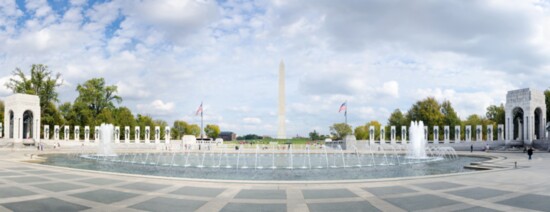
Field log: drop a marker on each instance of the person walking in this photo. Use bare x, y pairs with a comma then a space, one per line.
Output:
472, 148
530, 152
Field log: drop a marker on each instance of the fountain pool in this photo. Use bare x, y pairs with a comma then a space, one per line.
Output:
275, 162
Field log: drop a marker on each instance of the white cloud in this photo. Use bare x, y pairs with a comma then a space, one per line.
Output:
156, 107
252, 120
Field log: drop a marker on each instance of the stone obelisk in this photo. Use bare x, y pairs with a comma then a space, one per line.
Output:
281, 132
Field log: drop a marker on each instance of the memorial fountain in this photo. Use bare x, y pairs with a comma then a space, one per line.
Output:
277, 162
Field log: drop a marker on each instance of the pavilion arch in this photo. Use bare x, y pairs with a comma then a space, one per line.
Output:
23, 119
525, 116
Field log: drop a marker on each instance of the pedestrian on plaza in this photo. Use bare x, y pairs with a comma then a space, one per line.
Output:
530, 152
472, 148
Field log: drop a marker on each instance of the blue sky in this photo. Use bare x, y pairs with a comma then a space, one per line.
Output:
167, 56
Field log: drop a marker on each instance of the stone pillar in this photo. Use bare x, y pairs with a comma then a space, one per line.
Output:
403, 134
436, 134
126, 134
46, 132
136, 134
382, 135
66, 133
479, 133
489, 132
86, 133
500, 132
147, 134
117, 134
468, 133
56, 132
77, 133
457, 134
167, 135
392, 134
96, 134
1, 130
157, 134
446, 134
371, 134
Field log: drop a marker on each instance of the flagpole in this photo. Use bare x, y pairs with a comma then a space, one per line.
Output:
346, 116
346, 113
201, 123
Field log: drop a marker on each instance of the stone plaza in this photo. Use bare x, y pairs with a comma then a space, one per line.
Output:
33, 187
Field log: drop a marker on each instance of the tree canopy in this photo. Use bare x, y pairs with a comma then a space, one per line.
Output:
212, 130
340, 130
97, 96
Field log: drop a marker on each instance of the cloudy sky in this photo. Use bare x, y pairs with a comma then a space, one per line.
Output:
166, 56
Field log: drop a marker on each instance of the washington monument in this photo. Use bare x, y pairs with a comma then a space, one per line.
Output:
281, 134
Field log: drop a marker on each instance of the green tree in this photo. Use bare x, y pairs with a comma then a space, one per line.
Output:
51, 116
106, 116
124, 117
361, 133
193, 129
340, 130
161, 124
428, 111
40, 83
450, 118
212, 131
474, 120
179, 129
314, 136
397, 119
496, 114
377, 128
43, 84
142, 121
97, 96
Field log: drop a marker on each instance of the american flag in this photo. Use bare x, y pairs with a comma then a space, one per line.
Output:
343, 107
199, 111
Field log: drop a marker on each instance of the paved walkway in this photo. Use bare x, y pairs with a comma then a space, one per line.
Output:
34, 187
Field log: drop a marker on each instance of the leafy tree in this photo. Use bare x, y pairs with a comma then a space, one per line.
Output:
123, 117
450, 118
314, 136
428, 111
106, 116
97, 96
179, 129
496, 114
377, 128
161, 124
361, 133
42, 84
51, 116
474, 120
397, 119
193, 129
212, 131
250, 137
340, 130
142, 121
